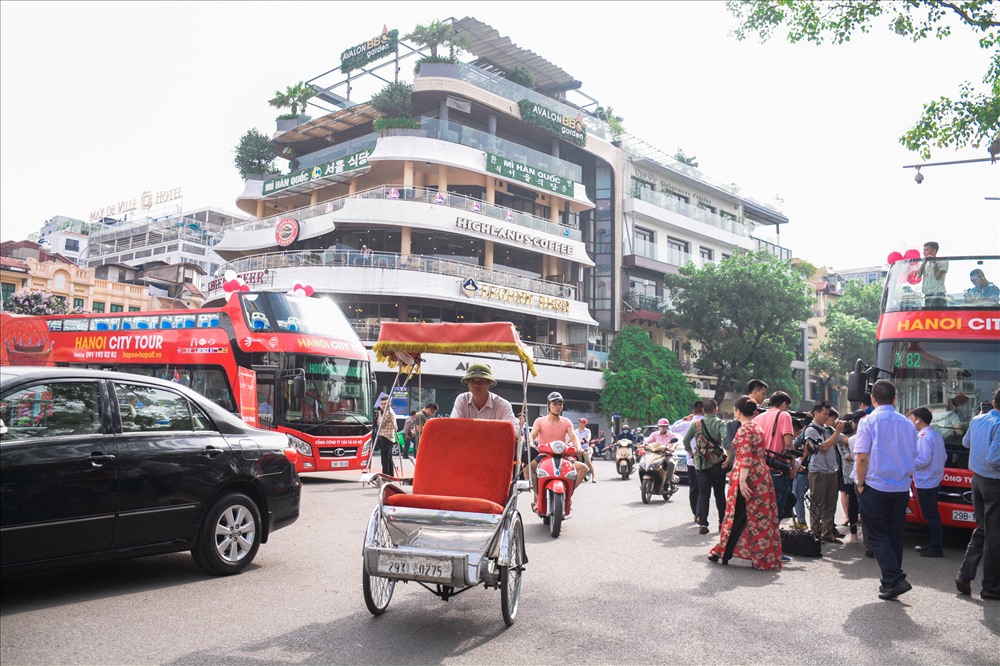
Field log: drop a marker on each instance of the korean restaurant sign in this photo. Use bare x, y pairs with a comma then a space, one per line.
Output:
368, 51
145, 201
529, 175
345, 164
567, 127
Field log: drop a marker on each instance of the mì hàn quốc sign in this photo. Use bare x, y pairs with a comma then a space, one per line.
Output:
368, 51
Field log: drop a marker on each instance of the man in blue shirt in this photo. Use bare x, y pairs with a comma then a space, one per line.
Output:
928, 472
884, 452
983, 441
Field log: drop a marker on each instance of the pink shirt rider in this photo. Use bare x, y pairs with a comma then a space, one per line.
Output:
662, 438
553, 432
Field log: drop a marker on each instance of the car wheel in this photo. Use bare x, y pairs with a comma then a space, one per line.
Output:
229, 536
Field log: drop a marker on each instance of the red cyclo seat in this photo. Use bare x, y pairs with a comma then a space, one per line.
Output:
462, 465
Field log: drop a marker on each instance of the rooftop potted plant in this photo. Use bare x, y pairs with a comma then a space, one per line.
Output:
292, 98
394, 102
254, 156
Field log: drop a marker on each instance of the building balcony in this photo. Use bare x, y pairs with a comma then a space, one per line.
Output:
414, 194
644, 309
667, 202
782, 253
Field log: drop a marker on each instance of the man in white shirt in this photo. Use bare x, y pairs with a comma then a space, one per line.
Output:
928, 472
583, 434
479, 402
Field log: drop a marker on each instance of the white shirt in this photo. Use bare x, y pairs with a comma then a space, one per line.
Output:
583, 434
680, 428
495, 409
931, 456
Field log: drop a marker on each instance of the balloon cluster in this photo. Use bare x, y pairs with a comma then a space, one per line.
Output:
303, 290
233, 284
913, 275
908, 255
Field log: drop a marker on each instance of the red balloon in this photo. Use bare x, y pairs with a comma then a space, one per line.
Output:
244, 287
309, 290
911, 254
913, 277
894, 257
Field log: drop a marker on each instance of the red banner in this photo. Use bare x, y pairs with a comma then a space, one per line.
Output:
940, 325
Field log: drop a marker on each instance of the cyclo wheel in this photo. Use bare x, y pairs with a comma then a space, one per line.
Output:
377, 590
558, 509
647, 490
510, 576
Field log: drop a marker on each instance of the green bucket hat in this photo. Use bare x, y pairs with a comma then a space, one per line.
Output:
479, 371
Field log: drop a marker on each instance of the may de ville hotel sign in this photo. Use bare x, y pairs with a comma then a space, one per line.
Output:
528, 174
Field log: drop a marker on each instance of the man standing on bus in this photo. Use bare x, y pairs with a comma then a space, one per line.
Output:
884, 452
929, 470
932, 272
983, 441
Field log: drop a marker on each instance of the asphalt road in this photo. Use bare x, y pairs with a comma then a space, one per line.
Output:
625, 583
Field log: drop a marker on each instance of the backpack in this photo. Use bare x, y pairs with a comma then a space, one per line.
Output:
706, 447
801, 543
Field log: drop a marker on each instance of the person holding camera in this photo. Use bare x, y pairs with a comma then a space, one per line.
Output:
884, 451
823, 472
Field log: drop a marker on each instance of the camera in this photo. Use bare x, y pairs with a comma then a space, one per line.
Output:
812, 445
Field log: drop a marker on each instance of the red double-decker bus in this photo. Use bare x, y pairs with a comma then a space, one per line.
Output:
282, 362
940, 344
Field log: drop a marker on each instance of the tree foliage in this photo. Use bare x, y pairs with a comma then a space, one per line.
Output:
972, 118
645, 382
860, 300
35, 303
292, 98
435, 34
395, 100
254, 154
744, 314
690, 160
850, 324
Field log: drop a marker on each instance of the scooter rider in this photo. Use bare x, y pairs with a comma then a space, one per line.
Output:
554, 427
663, 436
586, 450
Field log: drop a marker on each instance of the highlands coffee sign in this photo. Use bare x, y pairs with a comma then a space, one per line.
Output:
343, 165
567, 127
528, 174
513, 235
374, 49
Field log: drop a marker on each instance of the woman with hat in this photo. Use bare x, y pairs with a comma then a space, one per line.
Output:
479, 402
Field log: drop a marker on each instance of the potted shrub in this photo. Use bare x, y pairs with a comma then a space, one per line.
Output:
394, 102
254, 155
292, 98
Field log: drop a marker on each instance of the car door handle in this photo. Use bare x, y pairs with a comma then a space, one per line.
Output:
212, 451
100, 460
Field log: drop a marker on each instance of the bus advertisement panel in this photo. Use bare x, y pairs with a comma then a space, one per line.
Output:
282, 362
940, 344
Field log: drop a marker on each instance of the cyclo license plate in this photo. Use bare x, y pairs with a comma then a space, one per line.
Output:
415, 565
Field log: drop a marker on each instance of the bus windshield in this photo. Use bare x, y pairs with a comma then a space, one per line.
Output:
950, 378
943, 284
337, 394
273, 312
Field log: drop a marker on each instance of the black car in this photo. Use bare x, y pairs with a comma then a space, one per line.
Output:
97, 465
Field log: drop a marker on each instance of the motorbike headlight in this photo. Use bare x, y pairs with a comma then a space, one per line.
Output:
302, 447
541, 473
558, 447
571, 475
655, 466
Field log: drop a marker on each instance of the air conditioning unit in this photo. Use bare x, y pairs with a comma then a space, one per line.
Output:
594, 364
698, 384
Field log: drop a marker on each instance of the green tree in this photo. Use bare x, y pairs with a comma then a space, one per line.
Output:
645, 382
35, 303
744, 314
973, 118
292, 98
395, 100
691, 161
850, 333
435, 34
804, 268
254, 154
860, 300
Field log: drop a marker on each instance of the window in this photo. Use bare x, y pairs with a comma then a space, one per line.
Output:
705, 206
707, 255
72, 245
638, 185
59, 280
678, 245
728, 216
97, 306
117, 307
7, 290
679, 196
153, 409
132, 308
644, 235
57, 409
77, 303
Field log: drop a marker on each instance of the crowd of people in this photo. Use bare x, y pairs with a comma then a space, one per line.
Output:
866, 462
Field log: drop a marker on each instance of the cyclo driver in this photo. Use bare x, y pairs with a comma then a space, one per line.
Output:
554, 427
663, 436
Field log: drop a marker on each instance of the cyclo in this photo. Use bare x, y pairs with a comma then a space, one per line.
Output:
459, 527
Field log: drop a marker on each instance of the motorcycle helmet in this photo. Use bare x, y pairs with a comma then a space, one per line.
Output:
555, 396
663, 422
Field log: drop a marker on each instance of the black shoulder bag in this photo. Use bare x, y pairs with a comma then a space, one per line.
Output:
779, 462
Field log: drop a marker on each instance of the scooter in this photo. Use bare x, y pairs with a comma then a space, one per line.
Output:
556, 475
624, 459
653, 468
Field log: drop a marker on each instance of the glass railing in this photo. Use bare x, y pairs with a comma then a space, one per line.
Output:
667, 202
338, 151
396, 261
645, 302
778, 251
468, 136
512, 91
662, 253
424, 195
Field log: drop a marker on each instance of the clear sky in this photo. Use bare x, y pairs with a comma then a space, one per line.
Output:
102, 101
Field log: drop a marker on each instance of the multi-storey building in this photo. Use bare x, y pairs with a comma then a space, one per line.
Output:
67, 236
507, 203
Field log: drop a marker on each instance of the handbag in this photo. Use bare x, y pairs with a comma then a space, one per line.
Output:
801, 543
779, 462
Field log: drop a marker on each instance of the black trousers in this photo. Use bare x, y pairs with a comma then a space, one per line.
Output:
385, 448
739, 522
711, 479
